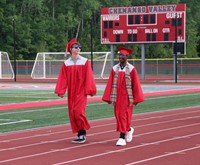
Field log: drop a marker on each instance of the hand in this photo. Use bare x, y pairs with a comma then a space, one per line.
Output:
61, 96
110, 102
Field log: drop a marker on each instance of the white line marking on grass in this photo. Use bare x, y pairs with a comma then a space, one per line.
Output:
5, 119
34, 110
15, 122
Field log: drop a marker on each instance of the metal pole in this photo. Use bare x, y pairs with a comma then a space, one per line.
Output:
143, 62
111, 55
0, 67
176, 48
44, 65
14, 51
91, 40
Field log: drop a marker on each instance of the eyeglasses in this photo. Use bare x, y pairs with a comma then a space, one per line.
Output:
76, 47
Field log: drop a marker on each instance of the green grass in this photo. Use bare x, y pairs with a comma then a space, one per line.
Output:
55, 115
25, 95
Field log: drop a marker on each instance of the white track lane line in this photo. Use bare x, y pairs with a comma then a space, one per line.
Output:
129, 148
164, 155
89, 144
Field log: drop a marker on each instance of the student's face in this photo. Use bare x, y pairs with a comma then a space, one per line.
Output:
122, 58
75, 49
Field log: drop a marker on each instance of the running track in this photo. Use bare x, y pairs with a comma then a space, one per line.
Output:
169, 137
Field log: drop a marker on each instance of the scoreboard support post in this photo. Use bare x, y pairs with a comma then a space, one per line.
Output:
175, 68
175, 55
112, 55
143, 61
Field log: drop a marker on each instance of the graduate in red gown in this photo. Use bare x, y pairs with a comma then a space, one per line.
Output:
124, 91
76, 77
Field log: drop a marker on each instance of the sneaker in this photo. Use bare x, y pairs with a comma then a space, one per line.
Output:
79, 139
129, 135
121, 142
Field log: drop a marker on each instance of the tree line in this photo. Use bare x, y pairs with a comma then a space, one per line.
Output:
47, 25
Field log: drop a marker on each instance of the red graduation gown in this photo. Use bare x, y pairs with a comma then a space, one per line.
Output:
78, 79
123, 112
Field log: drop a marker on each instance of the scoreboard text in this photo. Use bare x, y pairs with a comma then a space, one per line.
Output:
143, 24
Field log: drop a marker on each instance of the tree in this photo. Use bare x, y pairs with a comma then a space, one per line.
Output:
47, 25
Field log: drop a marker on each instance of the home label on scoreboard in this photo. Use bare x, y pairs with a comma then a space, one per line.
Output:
143, 24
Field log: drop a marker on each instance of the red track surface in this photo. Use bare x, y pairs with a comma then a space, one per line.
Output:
161, 138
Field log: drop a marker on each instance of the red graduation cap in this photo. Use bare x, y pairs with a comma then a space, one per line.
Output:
126, 51
70, 43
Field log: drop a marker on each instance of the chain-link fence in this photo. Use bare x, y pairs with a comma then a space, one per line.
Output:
155, 69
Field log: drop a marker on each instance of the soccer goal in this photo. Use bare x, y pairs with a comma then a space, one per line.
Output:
6, 70
47, 64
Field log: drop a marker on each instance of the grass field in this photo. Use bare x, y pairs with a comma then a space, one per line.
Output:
19, 119
25, 95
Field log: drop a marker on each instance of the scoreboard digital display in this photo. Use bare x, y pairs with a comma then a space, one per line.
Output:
143, 24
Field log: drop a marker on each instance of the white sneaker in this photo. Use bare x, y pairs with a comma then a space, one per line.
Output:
129, 135
121, 142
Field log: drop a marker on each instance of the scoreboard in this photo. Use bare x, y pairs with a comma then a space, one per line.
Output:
143, 24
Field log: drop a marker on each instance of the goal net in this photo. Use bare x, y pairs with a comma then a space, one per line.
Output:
47, 64
6, 70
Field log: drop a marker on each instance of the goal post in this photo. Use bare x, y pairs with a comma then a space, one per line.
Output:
6, 70
47, 64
